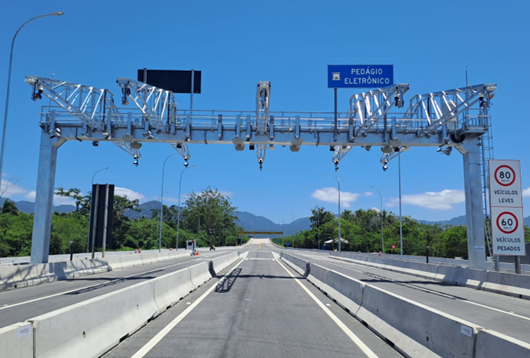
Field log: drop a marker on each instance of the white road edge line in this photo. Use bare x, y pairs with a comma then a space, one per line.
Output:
84, 288
154, 341
369, 353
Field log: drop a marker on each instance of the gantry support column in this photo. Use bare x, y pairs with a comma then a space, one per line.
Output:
42, 222
470, 149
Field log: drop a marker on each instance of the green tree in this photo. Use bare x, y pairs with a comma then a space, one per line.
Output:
213, 213
10, 207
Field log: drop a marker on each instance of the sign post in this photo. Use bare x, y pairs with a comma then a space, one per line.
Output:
506, 207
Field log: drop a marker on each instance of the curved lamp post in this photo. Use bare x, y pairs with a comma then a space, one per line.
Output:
382, 237
57, 13
162, 203
178, 214
338, 184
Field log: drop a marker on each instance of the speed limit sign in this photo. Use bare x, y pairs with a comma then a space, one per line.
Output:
507, 232
505, 183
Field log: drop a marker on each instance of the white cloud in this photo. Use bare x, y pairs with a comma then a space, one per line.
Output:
63, 200
57, 199
526, 192
330, 195
9, 189
442, 200
375, 209
171, 199
131, 195
226, 194
368, 193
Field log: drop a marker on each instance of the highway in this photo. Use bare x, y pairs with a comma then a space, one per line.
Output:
20, 304
505, 314
262, 308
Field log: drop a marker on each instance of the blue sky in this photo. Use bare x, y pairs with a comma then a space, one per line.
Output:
290, 43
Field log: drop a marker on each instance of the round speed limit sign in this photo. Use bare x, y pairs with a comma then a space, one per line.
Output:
505, 175
507, 222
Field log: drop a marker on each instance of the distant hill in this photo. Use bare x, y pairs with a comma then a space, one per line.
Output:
29, 207
248, 221
459, 220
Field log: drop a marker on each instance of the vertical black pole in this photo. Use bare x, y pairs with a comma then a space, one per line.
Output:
95, 221
427, 254
336, 115
71, 250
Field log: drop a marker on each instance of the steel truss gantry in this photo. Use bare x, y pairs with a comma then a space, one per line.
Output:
446, 120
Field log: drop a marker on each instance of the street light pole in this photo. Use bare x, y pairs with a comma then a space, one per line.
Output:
338, 184
400, 217
318, 216
293, 225
162, 203
178, 214
382, 237
91, 193
2, 151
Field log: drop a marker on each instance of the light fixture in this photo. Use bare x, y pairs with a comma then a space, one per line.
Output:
95, 143
448, 150
439, 149
385, 167
135, 162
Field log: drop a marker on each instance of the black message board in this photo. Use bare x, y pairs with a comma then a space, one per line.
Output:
172, 80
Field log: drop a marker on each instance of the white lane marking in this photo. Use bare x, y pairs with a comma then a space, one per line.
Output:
84, 288
154, 341
369, 353
440, 294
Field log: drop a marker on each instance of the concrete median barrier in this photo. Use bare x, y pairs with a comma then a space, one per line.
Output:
462, 276
77, 268
346, 291
416, 329
491, 344
90, 328
299, 265
200, 274
16, 341
508, 284
171, 288
218, 264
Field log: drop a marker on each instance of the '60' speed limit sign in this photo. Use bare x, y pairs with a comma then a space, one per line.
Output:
507, 222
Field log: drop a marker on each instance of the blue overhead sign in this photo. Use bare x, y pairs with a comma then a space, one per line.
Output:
359, 76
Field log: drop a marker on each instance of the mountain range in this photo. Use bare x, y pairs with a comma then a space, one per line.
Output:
248, 221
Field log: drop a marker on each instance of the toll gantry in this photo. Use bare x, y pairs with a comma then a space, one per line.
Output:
446, 120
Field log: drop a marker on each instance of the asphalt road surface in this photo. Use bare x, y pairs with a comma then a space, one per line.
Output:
261, 308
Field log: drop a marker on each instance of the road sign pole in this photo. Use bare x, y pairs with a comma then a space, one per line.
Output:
336, 114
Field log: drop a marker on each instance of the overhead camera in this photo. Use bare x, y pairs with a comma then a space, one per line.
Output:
135, 156
95, 143
385, 167
186, 164
135, 162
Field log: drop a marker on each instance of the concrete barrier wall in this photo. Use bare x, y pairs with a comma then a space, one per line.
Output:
16, 341
299, 265
345, 290
218, 264
505, 283
400, 319
27, 275
90, 328
494, 344
510, 284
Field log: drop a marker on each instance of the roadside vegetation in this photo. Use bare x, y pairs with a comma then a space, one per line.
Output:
208, 217
361, 231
